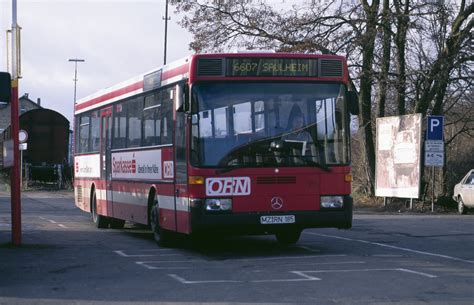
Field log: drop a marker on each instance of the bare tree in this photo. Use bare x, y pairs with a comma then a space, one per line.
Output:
437, 78
422, 77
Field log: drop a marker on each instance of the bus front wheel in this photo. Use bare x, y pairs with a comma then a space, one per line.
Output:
100, 221
162, 236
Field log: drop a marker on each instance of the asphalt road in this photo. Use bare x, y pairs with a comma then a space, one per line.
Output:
384, 259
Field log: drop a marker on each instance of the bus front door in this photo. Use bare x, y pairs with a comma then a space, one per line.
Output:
181, 176
105, 157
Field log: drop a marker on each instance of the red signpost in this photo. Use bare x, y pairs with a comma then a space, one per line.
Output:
15, 122
15, 170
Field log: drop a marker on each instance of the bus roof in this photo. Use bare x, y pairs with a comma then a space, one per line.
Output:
176, 71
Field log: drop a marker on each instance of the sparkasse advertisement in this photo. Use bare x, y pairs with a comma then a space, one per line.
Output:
137, 165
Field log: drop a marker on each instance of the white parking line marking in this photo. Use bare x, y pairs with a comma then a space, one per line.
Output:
53, 222
416, 272
288, 257
122, 253
319, 264
146, 265
149, 265
184, 281
370, 270
394, 247
303, 278
309, 249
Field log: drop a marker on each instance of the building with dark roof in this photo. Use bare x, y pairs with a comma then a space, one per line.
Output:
25, 104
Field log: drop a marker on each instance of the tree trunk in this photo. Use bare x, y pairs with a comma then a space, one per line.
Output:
400, 42
365, 94
386, 41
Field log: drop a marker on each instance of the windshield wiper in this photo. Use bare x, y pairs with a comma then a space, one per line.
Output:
307, 160
226, 169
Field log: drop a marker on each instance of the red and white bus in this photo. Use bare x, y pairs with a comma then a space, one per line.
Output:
248, 143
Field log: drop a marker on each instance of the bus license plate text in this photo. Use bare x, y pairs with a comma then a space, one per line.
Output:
265, 220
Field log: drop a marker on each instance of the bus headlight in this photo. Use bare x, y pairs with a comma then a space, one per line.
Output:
216, 204
332, 202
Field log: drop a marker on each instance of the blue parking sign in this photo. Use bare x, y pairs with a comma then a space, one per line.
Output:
435, 127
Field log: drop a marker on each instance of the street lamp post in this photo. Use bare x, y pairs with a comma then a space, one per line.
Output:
166, 18
75, 60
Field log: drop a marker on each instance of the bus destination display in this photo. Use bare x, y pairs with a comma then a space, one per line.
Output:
268, 67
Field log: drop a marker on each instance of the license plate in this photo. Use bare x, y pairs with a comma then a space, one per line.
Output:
265, 220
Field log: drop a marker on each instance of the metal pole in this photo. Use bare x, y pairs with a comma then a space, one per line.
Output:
15, 172
21, 169
75, 81
432, 188
75, 60
166, 31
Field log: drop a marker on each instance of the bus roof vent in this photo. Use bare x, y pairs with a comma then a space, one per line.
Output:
330, 68
210, 67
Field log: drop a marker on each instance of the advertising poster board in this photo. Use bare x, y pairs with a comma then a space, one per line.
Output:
397, 171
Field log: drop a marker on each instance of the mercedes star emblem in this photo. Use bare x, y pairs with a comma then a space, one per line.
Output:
277, 203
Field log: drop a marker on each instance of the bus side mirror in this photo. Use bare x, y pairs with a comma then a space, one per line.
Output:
5, 88
182, 98
353, 99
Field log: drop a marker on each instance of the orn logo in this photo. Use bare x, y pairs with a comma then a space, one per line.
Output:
228, 186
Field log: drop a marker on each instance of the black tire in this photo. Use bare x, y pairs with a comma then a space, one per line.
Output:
116, 223
461, 207
100, 221
288, 237
162, 237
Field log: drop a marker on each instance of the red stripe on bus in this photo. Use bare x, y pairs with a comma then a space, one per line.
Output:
130, 88
175, 72
110, 95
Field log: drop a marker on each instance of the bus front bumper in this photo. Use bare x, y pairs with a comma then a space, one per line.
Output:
250, 223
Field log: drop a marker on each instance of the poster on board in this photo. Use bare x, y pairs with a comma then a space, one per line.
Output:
398, 143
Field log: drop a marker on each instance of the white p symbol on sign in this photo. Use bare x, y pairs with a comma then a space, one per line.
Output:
434, 123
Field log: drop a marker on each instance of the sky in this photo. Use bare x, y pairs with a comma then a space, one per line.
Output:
118, 39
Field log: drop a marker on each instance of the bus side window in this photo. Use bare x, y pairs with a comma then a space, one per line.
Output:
83, 138
167, 117
134, 122
152, 120
95, 132
120, 124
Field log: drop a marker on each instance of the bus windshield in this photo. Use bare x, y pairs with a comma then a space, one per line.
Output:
258, 124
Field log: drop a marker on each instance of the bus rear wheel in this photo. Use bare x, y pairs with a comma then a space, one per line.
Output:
289, 237
162, 236
100, 221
